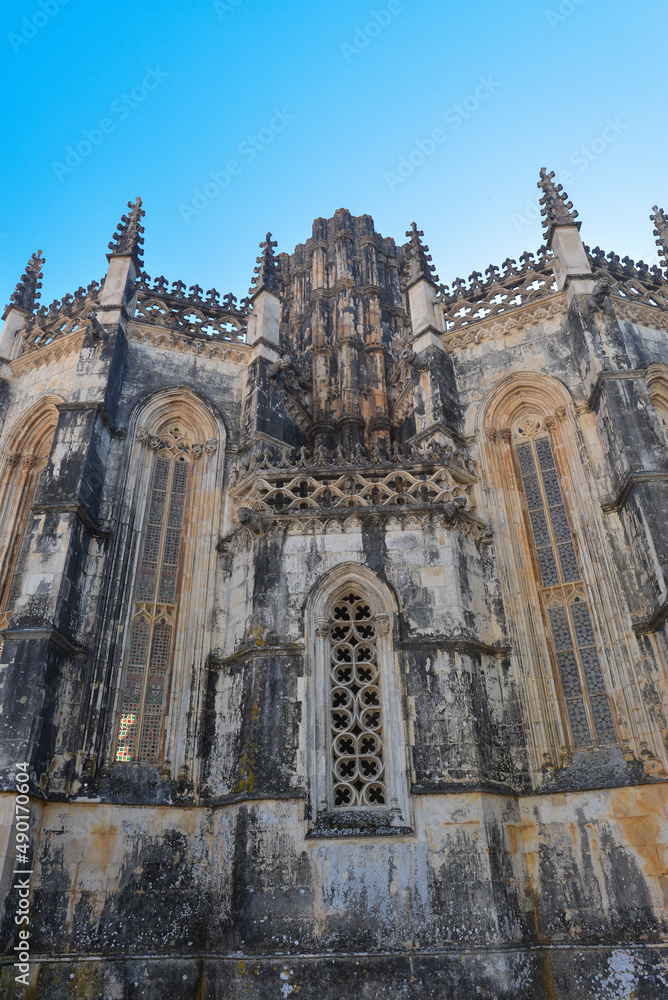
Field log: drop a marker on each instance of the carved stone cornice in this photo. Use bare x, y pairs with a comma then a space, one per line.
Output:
330, 521
638, 312
52, 352
159, 336
516, 320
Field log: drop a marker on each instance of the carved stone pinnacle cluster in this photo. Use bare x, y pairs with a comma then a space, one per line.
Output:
418, 258
266, 273
26, 293
660, 221
555, 208
128, 238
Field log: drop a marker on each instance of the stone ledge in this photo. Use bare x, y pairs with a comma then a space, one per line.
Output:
653, 623
612, 504
72, 508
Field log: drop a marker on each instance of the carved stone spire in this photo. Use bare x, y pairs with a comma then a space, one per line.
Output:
572, 268
266, 273
556, 209
128, 237
660, 221
418, 264
26, 293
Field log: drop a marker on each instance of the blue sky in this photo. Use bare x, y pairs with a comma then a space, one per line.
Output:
283, 111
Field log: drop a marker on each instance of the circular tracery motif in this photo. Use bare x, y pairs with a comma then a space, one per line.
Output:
355, 706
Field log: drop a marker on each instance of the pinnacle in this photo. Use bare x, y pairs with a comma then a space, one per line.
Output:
556, 209
418, 258
128, 237
660, 220
266, 273
26, 293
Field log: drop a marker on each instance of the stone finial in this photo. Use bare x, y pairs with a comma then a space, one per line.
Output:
26, 293
418, 258
660, 220
555, 208
128, 237
266, 273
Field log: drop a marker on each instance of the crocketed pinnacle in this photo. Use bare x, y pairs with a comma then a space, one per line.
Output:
266, 273
555, 208
660, 221
418, 258
26, 293
128, 237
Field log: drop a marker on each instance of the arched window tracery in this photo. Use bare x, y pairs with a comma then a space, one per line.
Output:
155, 602
356, 704
562, 588
572, 638
359, 764
164, 556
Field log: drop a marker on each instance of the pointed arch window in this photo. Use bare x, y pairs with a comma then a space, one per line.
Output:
28, 481
155, 602
24, 467
355, 705
358, 754
562, 590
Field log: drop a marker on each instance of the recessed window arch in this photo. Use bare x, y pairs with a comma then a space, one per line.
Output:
24, 462
563, 594
358, 754
570, 628
172, 504
356, 696
155, 601
657, 384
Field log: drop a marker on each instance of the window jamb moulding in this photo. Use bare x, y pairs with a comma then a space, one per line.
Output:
656, 377
619, 655
325, 820
565, 594
24, 457
184, 691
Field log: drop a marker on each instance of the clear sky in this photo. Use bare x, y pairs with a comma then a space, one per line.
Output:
280, 112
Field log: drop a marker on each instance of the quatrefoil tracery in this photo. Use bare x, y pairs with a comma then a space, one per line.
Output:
355, 706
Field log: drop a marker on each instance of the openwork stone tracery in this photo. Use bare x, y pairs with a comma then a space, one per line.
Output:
433, 480
562, 589
356, 704
154, 617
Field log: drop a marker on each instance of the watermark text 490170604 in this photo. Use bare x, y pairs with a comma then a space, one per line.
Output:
21, 875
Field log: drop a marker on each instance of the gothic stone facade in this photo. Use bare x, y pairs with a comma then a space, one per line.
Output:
334, 625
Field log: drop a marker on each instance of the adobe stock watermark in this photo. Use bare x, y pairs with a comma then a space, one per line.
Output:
581, 158
378, 21
249, 149
75, 154
21, 875
31, 26
565, 10
223, 7
454, 117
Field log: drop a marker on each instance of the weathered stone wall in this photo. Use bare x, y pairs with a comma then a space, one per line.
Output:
355, 427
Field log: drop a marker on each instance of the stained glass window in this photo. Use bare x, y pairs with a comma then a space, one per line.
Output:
356, 709
151, 633
582, 686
